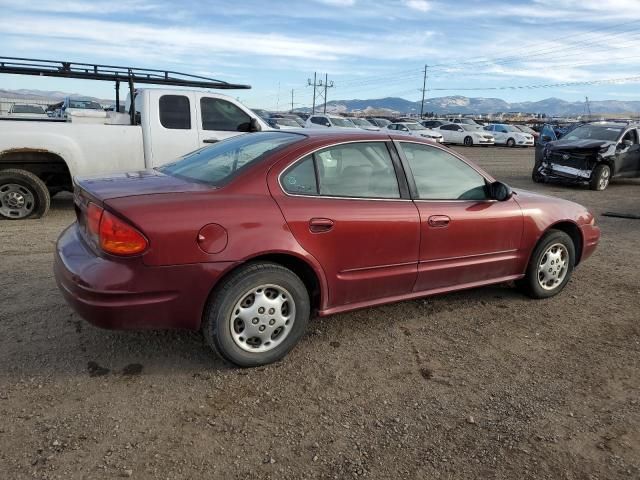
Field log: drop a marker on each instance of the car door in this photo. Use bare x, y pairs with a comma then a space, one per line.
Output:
628, 155
219, 119
546, 135
447, 132
345, 206
466, 237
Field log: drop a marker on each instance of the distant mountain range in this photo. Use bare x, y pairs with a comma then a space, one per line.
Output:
480, 105
439, 105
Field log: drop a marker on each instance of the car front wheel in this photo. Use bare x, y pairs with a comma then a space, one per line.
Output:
550, 266
257, 315
468, 141
511, 142
600, 177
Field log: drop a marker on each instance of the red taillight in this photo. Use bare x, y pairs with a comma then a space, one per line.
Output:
94, 214
119, 238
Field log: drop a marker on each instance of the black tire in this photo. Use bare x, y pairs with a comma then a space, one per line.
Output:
530, 285
511, 143
535, 175
468, 141
600, 177
217, 328
31, 195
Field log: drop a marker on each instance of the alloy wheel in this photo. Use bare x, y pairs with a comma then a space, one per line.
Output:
16, 201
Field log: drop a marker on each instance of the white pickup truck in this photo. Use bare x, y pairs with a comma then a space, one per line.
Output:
40, 158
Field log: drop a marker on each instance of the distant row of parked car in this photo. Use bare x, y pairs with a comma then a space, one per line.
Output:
461, 131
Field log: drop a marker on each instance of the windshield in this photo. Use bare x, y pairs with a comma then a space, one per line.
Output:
217, 164
84, 104
414, 126
594, 132
287, 122
469, 121
526, 129
341, 122
511, 128
27, 109
470, 128
361, 122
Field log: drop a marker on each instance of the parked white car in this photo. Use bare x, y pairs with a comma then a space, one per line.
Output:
414, 129
27, 110
509, 135
463, 134
324, 120
364, 124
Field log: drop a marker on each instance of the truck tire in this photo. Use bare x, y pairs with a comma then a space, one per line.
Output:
600, 177
22, 195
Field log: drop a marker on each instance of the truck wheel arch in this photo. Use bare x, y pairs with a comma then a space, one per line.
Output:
50, 167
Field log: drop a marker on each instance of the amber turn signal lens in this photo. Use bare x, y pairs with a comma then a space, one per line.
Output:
119, 238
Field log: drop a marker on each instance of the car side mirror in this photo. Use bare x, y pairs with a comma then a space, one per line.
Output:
254, 125
545, 138
500, 191
624, 144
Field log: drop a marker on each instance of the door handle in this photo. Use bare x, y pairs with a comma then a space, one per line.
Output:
320, 225
210, 140
438, 221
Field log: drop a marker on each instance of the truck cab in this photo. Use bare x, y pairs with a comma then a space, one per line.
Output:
175, 122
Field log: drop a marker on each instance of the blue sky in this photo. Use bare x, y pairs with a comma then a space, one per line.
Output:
370, 49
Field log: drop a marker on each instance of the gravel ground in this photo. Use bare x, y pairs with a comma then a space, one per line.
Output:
479, 384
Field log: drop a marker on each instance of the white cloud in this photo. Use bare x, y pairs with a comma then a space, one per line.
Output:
420, 5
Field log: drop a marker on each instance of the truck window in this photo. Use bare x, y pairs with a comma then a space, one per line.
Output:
221, 115
175, 112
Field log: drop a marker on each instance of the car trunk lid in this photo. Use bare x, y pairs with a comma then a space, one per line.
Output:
145, 182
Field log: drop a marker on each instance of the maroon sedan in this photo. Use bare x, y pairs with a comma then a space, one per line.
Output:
246, 238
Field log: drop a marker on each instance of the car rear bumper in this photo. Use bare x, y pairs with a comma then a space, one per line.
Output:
125, 294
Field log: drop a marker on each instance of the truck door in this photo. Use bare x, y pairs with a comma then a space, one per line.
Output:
172, 125
220, 118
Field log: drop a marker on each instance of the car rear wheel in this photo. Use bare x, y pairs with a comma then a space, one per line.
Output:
468, 141
600, 177
550, 266
511, 142
22, 195
257, 315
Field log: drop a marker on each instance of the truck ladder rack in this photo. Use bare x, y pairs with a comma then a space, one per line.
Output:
117, 74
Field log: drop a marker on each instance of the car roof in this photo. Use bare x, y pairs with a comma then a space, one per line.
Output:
339, 135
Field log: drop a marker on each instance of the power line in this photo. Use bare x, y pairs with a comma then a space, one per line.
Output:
546, 85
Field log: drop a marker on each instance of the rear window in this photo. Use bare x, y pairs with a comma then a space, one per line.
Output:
219, 163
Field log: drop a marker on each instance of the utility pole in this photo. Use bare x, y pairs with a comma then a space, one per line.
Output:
292, 100
424, 89
320, 93
587, 107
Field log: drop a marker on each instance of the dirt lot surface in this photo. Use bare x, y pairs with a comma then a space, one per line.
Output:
480, 384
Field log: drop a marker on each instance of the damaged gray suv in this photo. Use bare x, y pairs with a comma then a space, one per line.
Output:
592, 153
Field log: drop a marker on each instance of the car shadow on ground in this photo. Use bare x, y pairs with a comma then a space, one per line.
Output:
101, 352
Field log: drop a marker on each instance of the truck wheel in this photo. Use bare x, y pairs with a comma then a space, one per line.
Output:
22, 195
600, 177
257, 315
511, 142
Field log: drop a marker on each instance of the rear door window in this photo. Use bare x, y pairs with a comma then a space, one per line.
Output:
175, 112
